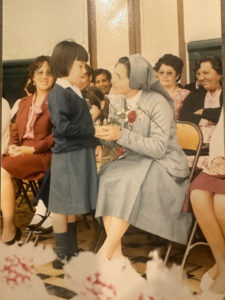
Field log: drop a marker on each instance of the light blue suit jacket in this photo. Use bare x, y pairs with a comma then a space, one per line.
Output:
153, 136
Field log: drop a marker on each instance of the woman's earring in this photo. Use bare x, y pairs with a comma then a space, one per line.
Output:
33, 83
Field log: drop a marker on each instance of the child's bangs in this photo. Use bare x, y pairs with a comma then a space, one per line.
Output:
82, 54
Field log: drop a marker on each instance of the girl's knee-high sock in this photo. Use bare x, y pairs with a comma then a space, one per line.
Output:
72, 237
61, 244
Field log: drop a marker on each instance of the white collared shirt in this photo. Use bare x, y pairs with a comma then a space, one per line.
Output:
65, 84
217, 143
132, 102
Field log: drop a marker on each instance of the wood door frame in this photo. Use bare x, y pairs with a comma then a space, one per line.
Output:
181, 39
92, 33
134, 26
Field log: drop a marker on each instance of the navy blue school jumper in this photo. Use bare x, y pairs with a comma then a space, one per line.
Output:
73, 187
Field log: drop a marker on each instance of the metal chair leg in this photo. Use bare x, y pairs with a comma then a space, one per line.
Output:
191, 245
188, 248
98, 239
25, 197
33, 187
29, 237
168, 253
36, 240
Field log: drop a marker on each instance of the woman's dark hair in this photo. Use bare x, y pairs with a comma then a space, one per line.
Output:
63, 56
103, 71
170, 60
95, 96
89, 72
125, 61
214, 60
35, 65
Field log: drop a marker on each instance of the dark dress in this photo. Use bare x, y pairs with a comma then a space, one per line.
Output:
194, 102
73, 186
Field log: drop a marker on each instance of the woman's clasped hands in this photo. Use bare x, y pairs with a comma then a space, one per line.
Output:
15, 150
217, 167
108, 132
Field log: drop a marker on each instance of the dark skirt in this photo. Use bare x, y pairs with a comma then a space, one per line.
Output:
73, 184
205, 182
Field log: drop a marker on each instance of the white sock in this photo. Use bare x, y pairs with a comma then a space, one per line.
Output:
40, 210
48, 222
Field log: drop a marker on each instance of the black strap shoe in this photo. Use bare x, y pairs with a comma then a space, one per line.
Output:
16, 238
42, 230
32, 227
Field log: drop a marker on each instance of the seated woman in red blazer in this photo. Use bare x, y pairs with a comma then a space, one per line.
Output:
29, 151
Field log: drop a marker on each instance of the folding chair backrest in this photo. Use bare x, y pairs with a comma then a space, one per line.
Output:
190, 139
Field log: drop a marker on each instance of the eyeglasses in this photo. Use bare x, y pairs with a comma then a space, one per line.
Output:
41, 73
168, 73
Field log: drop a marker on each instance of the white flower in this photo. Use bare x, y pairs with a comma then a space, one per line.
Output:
101, 279
17, 271
91, 277
94, 278
165, 283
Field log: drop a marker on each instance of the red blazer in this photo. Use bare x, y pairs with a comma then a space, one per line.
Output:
43, 140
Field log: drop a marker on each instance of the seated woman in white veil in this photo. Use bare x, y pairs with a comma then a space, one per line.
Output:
146, 186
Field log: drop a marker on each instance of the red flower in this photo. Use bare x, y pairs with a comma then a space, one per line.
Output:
121, 151
17, 271
132, 116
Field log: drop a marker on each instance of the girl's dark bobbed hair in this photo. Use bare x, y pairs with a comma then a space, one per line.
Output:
63, 56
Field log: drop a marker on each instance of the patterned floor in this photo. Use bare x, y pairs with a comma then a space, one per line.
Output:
136, 246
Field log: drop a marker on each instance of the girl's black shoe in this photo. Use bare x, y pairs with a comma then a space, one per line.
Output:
17, 237
59, 262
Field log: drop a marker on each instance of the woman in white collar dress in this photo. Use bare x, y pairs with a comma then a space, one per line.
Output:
146, 186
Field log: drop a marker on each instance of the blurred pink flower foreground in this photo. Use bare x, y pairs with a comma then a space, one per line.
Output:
91, 277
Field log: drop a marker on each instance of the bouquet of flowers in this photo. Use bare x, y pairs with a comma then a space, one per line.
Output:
126, 117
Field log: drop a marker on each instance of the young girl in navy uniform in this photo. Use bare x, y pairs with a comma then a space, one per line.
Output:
73, 187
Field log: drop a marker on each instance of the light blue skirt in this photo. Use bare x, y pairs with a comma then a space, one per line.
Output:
74, 183
152, 201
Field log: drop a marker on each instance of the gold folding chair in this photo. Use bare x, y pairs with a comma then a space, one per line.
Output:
190, 139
